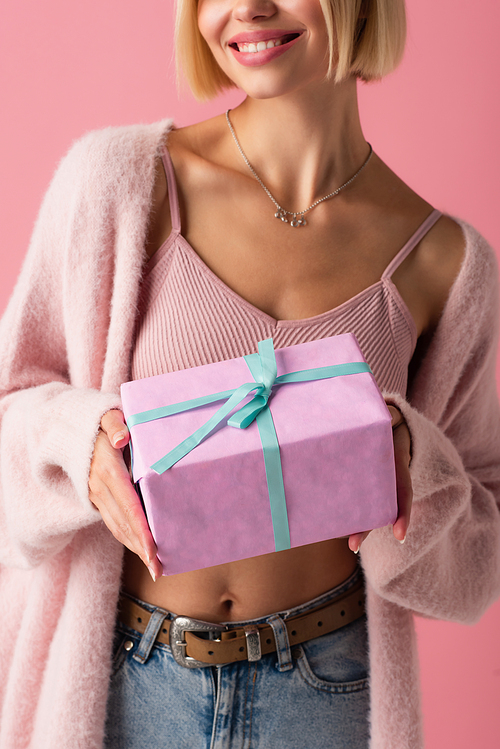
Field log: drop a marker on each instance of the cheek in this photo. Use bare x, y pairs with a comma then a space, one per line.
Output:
211, 21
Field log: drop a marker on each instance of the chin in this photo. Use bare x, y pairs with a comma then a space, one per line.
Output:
265, 89
263, 85
264, 93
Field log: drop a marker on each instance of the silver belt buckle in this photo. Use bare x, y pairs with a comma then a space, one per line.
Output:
181, 624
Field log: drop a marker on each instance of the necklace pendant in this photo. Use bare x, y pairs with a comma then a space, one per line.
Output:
298, 219
297, 222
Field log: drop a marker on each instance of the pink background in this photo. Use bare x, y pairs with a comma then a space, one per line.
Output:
66, 68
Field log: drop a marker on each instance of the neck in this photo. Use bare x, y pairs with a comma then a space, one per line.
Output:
302, 147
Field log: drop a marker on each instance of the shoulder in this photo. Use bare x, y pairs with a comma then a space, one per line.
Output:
105, 176
128, 140
464, 342
188, 147
479, 255
105, 172
457, 268
475, 288
468, 285
114, 154
439, 259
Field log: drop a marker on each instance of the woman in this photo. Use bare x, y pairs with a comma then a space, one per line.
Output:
417, 288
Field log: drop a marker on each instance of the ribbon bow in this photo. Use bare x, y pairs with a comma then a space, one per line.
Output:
263, 369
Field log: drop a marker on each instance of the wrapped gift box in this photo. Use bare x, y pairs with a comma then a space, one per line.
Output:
214, 506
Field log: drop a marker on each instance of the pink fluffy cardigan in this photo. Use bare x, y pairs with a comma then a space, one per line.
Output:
65, 345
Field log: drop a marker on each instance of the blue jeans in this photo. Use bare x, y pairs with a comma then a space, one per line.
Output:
313, 695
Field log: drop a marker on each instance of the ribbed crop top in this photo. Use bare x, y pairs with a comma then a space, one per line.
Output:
188, 316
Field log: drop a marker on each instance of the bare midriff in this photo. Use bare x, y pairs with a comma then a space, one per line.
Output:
248, 588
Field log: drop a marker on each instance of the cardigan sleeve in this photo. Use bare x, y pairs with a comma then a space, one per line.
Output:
49, 415
449, 566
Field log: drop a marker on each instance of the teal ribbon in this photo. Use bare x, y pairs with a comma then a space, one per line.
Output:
263, 369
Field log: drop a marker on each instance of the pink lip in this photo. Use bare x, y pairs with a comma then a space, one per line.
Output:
261, 36
254, 59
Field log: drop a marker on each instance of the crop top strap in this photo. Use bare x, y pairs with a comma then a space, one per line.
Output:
173, 197
422, 230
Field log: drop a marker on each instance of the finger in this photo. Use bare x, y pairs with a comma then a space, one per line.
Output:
356, 539
128, 525
400, 527
155, 569
105, 503
122, 513
122, 531
397, 416
129, 515
113, 425
402, 455
115, 497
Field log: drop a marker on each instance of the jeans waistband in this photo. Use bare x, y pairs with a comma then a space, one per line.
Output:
195, 643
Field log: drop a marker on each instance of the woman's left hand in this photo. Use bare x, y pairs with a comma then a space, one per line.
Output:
402, 457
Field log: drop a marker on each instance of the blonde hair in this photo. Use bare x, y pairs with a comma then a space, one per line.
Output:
366, 39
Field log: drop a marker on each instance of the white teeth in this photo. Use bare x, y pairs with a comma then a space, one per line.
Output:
260, 46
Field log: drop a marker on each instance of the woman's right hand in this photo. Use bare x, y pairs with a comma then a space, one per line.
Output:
112, 492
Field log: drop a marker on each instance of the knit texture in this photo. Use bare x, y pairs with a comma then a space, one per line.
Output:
65, 348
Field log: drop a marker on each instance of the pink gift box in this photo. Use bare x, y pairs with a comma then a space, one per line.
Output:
213, 506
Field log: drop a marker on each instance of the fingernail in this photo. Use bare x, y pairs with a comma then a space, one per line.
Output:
356, 551
117, 437
402, 540
152, 573
146, 554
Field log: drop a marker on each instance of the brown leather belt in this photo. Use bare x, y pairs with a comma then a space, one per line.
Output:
244, 642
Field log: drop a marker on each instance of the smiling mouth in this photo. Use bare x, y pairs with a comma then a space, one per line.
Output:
253, 47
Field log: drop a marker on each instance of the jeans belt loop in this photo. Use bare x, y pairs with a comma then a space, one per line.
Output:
148, 638
283, 651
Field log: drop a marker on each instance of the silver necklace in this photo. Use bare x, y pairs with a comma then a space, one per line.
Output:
297, 216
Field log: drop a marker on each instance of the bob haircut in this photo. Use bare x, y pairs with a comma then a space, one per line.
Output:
366, 39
